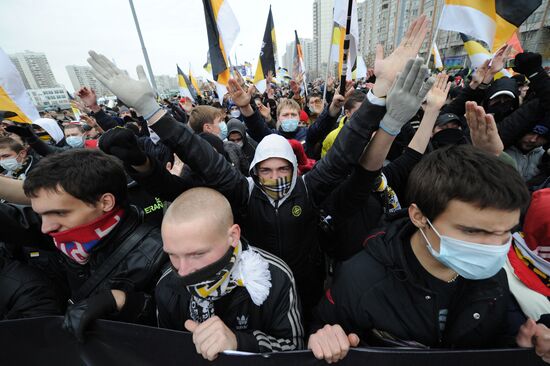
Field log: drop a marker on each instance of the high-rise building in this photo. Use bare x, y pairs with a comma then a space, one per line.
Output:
34, 69
310, 63
81, 76
323, 19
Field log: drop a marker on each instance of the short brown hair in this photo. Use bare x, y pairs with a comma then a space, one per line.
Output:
201, 115
467, 174
287, 103
8, 142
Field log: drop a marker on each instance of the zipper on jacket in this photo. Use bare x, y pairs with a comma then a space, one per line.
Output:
277, 222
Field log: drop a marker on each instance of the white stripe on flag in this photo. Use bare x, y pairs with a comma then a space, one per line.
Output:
11, 82
228, 26
469, 21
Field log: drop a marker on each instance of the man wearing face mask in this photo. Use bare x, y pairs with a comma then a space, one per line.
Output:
207, 119
14, 159
288, 118
434, 278
229, 294
74, 135
237, 133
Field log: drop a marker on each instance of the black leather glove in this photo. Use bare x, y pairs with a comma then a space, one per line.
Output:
79, 316
122, 143
528, 63
22, 130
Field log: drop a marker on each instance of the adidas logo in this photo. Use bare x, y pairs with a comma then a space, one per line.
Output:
242, 322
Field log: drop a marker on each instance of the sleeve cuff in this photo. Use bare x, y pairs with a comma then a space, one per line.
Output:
375, 100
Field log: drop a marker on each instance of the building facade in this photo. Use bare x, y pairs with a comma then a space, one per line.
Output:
81, 76
323, 19
34, 69
46, 99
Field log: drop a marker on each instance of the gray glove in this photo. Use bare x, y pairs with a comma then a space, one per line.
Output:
134, 93
405, 96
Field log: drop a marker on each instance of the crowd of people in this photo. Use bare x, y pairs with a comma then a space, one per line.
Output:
411, 208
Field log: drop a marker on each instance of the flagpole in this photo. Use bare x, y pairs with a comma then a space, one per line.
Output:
329, 59
346, 50
145, 56
434, 37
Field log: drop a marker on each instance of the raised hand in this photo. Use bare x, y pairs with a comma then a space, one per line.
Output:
438, 93
405, 96
88, 97
479, 74
497, 63
265, 111
483, 129
237, 94
387, 68
134, 93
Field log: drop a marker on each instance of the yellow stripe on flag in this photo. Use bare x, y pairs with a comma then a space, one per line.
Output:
504, 31
7, 104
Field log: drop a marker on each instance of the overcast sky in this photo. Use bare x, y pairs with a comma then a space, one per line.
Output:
173, 30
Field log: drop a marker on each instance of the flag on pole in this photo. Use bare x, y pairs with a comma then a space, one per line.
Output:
437, 57
13, 97
491, 21
222, 28
339, 33
298, 69
266, 61
361, 69
208, 65
479, 54
194, 83
184, 85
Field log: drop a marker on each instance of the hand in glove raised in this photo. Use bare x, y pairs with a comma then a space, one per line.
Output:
134, 93
405, 96
22, 130
122, 143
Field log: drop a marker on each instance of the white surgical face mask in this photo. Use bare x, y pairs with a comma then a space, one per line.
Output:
470, 260
235, 113
75, 141
10, 164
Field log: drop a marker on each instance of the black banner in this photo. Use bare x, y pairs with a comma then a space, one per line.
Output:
41, 341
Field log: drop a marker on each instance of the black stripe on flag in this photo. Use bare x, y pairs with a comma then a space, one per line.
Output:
214, 46
516, 11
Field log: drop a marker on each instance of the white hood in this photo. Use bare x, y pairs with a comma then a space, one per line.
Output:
275, 146
51, 127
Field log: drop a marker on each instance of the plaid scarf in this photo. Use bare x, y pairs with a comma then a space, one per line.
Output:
276, 188
78, 242
388, 195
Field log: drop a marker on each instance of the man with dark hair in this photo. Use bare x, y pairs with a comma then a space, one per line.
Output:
107, 260
434, 278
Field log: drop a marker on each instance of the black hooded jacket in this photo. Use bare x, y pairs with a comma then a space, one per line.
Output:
378, 296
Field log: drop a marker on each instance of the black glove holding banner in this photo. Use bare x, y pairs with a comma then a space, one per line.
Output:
79, 316
122, 143
528, 64
22, 130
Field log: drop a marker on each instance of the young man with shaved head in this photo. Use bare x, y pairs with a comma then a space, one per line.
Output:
229, 294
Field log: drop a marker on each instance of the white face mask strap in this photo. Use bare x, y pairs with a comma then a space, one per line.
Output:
433, 227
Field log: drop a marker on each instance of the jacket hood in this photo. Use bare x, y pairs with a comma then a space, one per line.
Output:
51, 127
274, 146
235, 125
